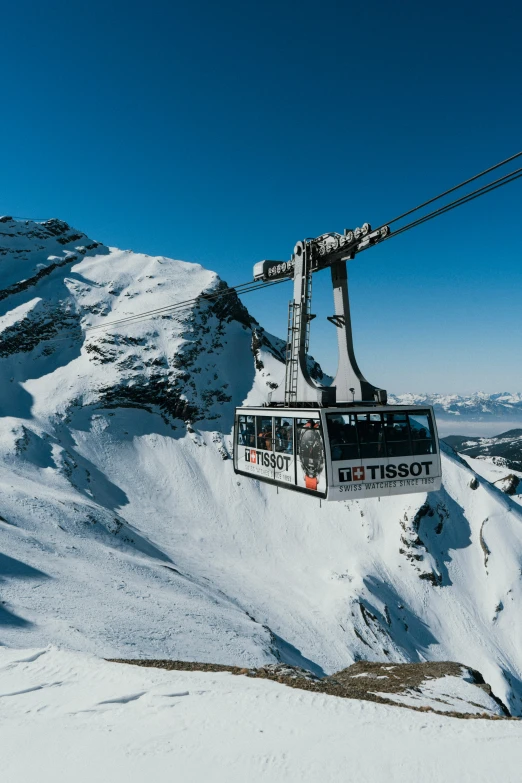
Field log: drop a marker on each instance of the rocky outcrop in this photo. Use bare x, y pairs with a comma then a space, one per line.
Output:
441, 687
508, 484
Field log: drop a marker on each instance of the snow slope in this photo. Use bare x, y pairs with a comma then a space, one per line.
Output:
497, 474
124, 531
92, 720
504, 450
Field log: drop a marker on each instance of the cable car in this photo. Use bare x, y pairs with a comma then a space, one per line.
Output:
340, 453
337, 441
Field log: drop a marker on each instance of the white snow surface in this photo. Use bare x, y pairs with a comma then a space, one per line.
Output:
67, 716
447, 694
124, 531
490, 469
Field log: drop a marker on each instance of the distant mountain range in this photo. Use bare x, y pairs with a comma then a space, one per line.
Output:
477, 414
504, 450
473, 407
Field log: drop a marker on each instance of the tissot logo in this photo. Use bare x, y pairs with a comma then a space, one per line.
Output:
390, 471
267, 459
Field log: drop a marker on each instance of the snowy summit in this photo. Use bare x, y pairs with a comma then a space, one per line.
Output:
126, 534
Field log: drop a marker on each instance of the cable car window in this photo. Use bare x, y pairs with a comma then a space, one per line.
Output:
397, 435
264, 432
342, 433
422, 433
371, 435
284, 436
307, 424
246, 431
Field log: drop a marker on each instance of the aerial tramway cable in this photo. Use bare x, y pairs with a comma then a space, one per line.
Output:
498, 183
244, 288
451, 190
250, 286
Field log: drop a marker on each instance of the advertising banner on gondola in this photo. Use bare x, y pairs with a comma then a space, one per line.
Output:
385, 476
266, 464
283, 448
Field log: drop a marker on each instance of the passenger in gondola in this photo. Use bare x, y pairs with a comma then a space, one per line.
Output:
250, 434
287, 427
246, 434
284, 438
265, 439
424, 445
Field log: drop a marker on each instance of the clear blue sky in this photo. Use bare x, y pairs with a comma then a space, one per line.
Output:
224, 132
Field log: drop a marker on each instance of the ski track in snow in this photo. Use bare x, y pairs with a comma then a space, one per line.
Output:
125, 724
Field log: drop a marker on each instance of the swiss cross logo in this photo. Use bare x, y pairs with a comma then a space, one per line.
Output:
351, 474
250, 456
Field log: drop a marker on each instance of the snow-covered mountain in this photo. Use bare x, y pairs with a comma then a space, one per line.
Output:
474, 414
480, 404
504, 450
125, 532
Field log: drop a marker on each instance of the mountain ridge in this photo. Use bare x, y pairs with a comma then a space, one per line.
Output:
127, 534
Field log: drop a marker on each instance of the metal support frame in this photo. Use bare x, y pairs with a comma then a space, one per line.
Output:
300, 388
336, 320
310, 256
350, 383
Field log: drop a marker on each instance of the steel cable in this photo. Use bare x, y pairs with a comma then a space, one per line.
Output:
451, 190
244, 288
248, 287
459, 202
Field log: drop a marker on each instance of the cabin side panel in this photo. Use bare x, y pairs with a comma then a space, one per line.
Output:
382, 453
282, 447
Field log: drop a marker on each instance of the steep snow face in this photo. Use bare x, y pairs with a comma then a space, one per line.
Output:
125, 531
494, 470
183, 364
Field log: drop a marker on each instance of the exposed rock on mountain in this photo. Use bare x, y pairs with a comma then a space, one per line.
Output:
509, 484
179, 364
125, 532
443, 687
504, 450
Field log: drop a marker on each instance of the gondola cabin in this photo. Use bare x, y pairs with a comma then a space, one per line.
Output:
340, 453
